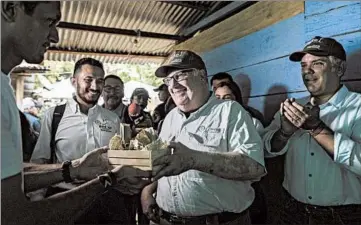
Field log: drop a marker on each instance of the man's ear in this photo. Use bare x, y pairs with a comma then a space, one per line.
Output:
73, 81
341, 69
9, 10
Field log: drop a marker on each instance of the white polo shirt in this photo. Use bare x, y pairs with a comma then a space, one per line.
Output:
77, 133
11, 145
218, 126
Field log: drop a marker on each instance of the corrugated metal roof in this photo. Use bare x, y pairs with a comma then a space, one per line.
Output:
147, 16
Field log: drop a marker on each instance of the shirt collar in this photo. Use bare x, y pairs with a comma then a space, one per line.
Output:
338, 98
74, 106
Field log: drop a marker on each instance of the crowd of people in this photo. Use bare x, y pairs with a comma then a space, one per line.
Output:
61, 175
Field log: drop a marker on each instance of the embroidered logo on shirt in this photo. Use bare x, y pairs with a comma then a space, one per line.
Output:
104, 126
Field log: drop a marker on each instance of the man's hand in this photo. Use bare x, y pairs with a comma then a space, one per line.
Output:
304, 117
149, 205
131, 180
181, 160
90, 165
286, 126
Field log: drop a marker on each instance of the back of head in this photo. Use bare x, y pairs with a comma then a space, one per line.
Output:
221, 76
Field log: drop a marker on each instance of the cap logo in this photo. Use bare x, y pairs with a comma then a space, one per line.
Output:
313, 46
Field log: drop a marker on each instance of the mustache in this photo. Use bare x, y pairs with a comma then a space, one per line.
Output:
96, 91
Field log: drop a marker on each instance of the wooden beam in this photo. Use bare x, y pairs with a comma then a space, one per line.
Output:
188, 4
109, 30
216, 16
250, 20
150, 57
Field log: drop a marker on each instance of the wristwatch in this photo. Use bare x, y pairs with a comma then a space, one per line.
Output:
66, 171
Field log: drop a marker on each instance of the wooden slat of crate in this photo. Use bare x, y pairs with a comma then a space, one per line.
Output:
128, 161
131, 154
145, 168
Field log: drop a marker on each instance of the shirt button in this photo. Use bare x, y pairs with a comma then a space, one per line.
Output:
174, 194
312, 153
310, 175
309, 197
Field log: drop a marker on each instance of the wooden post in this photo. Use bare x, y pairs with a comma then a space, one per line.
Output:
19, 89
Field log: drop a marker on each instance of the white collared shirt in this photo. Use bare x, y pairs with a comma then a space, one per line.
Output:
311, 175
77, 133
218, 126
11, 145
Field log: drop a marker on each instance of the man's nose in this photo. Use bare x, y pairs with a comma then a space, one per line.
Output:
54, 35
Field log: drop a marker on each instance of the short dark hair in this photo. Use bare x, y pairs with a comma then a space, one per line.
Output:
30, 6
87, 61
221, 76
114, 77
234, 88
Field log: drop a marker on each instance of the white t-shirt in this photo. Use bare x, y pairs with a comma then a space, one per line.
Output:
11, 145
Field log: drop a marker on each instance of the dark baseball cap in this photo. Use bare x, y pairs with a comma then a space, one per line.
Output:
161, 87
180, 59
320, 46
139, 91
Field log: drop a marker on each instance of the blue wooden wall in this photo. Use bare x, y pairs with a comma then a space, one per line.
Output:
259, 62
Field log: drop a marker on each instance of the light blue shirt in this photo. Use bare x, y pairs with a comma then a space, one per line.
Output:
218, 126
311, 175
11, 146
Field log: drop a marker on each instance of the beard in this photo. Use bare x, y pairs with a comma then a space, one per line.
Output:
83, 96
113, 102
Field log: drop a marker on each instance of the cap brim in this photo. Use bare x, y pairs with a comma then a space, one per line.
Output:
162, 71
297, 56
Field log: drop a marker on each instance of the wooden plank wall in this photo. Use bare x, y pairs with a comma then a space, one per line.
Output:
259, 63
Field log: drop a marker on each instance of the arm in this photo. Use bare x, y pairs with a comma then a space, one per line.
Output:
344, 149
59, 209
242, 160
42, 152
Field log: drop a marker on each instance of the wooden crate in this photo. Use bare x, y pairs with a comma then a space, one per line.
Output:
140, 159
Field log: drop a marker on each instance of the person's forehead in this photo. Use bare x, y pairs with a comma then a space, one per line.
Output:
309, 58
48, 9
89, 70
224, 90
220, 80
113, 82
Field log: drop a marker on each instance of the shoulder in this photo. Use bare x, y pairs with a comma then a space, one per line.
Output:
108, 114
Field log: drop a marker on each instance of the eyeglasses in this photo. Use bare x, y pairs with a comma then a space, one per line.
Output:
179, 75
108, 89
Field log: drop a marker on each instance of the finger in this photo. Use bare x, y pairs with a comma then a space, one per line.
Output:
129, 171
292, 100
292, 110
100, 150
162, 160
290, 119
281, 109
300, 108
166, 171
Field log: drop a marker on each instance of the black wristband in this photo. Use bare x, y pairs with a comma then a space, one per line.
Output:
66, 171
285, 135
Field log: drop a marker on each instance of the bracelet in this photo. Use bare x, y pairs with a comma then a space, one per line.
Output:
284, 135
65, 170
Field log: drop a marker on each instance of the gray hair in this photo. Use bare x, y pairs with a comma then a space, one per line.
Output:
338, 65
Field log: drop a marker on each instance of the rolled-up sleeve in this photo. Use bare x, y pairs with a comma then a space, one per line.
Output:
347, 150
42, 148
243, 136
268, 135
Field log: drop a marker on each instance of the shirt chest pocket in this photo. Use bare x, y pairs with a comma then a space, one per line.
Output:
208, 140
